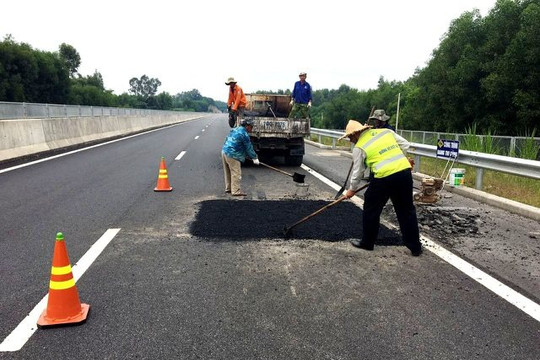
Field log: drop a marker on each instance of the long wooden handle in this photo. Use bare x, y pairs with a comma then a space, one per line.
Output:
318, 211
275, 169
324, 208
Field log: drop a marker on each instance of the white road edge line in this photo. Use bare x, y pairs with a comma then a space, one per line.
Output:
180, 155
513, 297
196, 137
26, 328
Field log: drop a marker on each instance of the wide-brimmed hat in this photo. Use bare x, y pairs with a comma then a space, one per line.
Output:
354, 127
379, 115
302, 73
230, 80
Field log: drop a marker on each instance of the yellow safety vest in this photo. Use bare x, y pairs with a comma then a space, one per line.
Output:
383, 154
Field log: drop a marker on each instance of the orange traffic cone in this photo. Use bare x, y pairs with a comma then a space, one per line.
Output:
163, 178
63, 305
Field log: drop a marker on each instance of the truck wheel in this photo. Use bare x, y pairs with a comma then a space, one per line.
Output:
294, 160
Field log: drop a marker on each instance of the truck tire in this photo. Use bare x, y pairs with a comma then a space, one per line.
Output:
294, 160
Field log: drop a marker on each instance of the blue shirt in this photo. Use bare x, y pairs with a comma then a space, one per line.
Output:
388, 126
238, 145
301, 92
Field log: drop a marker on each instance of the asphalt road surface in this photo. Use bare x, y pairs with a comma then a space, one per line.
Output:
197, 274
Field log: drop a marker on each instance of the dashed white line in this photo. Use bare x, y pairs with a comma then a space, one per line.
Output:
513, 297
180, 155
26, 328
196, 137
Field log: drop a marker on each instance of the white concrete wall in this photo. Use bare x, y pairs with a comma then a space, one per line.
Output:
30, 136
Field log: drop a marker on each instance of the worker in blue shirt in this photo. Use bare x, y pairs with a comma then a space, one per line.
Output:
301, 98
234, 152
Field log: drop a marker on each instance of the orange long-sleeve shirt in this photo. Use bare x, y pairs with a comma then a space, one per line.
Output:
236, 98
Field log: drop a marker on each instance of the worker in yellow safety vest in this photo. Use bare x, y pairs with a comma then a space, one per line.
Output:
383, 152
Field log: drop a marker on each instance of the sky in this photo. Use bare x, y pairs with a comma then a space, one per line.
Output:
264, 45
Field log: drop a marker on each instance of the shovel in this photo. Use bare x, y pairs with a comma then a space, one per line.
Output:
287, 230
299, 178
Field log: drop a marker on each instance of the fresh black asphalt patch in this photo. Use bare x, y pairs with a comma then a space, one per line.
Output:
248, 220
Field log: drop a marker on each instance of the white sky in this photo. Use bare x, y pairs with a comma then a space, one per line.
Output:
198, 44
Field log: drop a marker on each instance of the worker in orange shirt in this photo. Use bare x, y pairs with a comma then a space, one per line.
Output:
236, 103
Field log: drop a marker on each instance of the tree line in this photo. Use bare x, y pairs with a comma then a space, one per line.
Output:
484, 75
31, 75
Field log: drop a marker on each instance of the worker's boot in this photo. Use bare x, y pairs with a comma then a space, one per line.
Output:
361, 245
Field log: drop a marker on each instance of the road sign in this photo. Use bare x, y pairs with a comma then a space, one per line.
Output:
447, 149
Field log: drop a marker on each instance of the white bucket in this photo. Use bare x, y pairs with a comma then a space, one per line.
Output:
457, 177
302, 190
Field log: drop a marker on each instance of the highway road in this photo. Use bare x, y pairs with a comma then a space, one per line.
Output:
197, 274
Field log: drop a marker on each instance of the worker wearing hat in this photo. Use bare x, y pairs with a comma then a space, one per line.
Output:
380, 120
301, 98
383, 152
236, 102
234, 152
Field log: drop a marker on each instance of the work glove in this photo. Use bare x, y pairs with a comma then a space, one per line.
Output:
309, 104
349, 194
411, 161
256, 161
291, 103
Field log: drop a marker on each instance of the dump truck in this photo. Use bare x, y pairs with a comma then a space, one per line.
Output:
274, 133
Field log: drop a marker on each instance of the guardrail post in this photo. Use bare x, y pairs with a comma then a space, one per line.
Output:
333, 143
48, 111
479, 178
512, 146
416, 163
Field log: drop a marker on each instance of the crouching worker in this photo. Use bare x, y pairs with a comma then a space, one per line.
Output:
234, 152
383, 152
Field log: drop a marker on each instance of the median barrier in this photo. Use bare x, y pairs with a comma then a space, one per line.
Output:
23, 137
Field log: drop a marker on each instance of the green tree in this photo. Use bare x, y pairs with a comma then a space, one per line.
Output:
70, 57
144, 87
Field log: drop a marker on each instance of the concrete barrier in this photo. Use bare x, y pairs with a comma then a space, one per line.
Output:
24, 137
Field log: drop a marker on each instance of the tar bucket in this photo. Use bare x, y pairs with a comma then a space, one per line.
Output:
457, 177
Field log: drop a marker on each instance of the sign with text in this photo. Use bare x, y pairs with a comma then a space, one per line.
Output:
447, 149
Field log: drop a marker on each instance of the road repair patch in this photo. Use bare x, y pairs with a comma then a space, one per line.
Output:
244, 220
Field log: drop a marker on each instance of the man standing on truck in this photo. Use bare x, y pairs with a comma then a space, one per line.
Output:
236, 103
234, 152
301, 98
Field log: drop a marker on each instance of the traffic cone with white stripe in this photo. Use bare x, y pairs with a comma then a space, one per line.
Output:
63, 305
163, 178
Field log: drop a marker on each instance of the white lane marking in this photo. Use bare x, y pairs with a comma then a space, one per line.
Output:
196, 137
26, 328
202, 130
513, 297
84, 149
180, 155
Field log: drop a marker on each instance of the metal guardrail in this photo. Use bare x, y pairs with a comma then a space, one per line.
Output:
480, 161
17, 110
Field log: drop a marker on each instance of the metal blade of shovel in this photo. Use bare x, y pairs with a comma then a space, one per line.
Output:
299, 178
